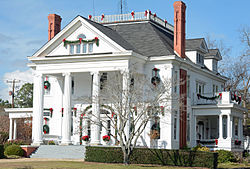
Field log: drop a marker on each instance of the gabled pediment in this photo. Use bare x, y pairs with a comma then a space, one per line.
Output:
91, 30
213, 54
196, 45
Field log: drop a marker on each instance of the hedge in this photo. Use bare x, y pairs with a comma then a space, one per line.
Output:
185, 158
1, 151
14, 150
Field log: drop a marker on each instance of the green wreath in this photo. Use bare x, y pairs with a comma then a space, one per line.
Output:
45, 129
46, 84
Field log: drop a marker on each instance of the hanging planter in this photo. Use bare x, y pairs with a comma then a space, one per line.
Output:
155, 80
45, 129
46, 84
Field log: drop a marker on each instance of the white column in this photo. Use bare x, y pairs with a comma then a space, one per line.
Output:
125, 100
11, 129
220, 127
14, 137
229, 126
37, 123
209, 128
95, 125
66, 128
239, 129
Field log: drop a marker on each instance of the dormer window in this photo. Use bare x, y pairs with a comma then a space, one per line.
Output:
199, 58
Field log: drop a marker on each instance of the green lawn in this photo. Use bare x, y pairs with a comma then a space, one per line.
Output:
233, 165
77, 164
15, 164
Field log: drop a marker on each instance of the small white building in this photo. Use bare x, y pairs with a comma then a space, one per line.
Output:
78, 56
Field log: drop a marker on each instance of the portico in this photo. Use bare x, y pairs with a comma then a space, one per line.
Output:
74, 87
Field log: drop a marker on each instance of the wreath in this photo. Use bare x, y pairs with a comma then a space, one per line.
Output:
45, 129
46, 84
155, 80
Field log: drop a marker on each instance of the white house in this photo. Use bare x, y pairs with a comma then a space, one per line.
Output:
76, 57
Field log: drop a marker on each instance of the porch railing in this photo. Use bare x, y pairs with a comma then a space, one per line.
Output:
137, 16
216, 98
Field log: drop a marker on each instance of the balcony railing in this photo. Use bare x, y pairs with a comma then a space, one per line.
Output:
137, 16
217, 98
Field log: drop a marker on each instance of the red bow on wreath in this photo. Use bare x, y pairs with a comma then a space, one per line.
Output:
133, 14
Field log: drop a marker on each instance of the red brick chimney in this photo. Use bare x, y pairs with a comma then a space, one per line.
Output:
54, 25
179, 28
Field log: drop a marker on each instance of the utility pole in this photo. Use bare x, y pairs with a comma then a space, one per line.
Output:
14, 81
121, 7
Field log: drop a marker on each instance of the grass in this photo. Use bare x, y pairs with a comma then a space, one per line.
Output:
75, 165
233, 165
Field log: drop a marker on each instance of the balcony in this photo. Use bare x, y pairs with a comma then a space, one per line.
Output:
132, 17
217, 98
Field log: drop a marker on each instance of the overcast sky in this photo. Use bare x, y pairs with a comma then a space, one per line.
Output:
24, 25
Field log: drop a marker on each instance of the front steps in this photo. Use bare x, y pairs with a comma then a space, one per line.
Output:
59, 152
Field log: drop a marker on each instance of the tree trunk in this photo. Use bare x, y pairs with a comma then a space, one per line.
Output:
125, 158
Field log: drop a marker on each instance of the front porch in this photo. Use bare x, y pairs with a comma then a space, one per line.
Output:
218, 125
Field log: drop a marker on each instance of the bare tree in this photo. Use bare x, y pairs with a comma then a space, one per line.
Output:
134, 99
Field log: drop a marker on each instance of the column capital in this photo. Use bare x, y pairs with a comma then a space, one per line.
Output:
66, 74
94, 72
37, 74
124, 71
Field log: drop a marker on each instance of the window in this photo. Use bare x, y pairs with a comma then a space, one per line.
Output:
71, 49
188, 128
188, 86
215, 89
200, 88
199, 58
84, 48
215, 65
90, 47
175, 125
103, 80
81, 36
224, 123
235, 126
73, 86
78, 48
89, 128
109, 127
155, 128
175, 81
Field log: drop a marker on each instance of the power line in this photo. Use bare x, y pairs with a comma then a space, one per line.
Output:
12, 93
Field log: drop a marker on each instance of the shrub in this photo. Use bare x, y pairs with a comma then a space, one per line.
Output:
1, 151
51, 142
201, 148
225, 156
14, 150
3, 137
153, 156
13, 142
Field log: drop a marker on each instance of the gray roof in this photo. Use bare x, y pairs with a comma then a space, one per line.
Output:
193, 44
213, 53
148, 39
112, 35
144, 38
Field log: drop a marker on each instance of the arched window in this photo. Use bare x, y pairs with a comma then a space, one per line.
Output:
81, 36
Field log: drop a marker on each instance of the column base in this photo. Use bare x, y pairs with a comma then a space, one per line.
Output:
37, 143
66, 143
95, 144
